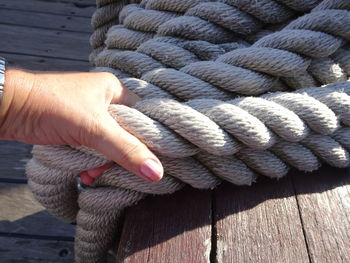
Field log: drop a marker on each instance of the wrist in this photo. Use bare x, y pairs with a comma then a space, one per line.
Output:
18, 84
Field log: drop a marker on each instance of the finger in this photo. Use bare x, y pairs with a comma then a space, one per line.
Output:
126, 150
98, 171
86, 179
122, 95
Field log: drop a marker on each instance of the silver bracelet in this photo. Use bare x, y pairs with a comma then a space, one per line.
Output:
2, 76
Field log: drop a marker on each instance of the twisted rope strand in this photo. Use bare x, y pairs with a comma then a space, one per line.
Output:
207, 17
302, 155
257, 61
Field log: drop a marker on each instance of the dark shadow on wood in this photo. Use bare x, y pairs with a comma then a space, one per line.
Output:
158, 219
21, 214
33, 250
325, 215
325, 179
246, 197
40, 225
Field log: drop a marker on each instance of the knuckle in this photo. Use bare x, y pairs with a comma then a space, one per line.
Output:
130, 151
111, 85
107, 76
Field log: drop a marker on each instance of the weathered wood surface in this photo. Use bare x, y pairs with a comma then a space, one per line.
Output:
47, 21
258, 223
266, 222
44, 42
49, 7
26, 250
34, 251
13, 158
169, 229
77, 2
44, 63
324, 204
22, 214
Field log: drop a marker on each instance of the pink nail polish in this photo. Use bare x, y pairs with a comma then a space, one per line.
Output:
86, 179
151, 170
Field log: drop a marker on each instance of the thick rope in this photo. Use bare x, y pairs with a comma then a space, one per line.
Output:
253, 70
205, 20
306, 155
189, 61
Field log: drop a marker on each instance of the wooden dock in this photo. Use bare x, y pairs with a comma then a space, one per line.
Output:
300, 218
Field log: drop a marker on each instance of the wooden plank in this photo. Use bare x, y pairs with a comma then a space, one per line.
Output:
258, 223
48, 7
43, 42
43, 63
324, 202
26, 250
23, 250
79, 2
42, 20
13, 158
21, 214
172, 228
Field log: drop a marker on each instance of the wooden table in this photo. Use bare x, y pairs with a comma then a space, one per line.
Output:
300, 218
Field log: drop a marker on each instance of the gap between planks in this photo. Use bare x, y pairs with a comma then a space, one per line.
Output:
258, 223
324, 204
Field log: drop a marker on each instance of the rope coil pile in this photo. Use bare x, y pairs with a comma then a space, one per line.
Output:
231, 89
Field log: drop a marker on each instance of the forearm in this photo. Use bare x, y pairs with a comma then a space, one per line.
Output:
18, 85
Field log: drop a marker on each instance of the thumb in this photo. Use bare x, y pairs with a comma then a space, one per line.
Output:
110, 139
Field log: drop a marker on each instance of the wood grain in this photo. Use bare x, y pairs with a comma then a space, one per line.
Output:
44, 42
259, 223
13, 158
44, 63
21, 213
324, 202
48, 21
79, 2
48, 7
173, 228
26, 250
21, 250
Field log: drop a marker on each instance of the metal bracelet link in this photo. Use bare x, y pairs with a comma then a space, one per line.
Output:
2, 76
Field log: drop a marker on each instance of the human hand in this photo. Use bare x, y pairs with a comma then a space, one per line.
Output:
71, 109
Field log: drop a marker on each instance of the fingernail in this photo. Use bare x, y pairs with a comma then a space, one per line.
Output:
86, 179
151, 170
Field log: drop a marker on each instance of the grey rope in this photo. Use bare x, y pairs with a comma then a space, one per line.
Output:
204, 19
248, 66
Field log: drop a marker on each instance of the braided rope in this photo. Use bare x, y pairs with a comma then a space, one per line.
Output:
189, 61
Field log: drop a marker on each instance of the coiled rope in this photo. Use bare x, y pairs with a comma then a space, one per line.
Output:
231, 90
